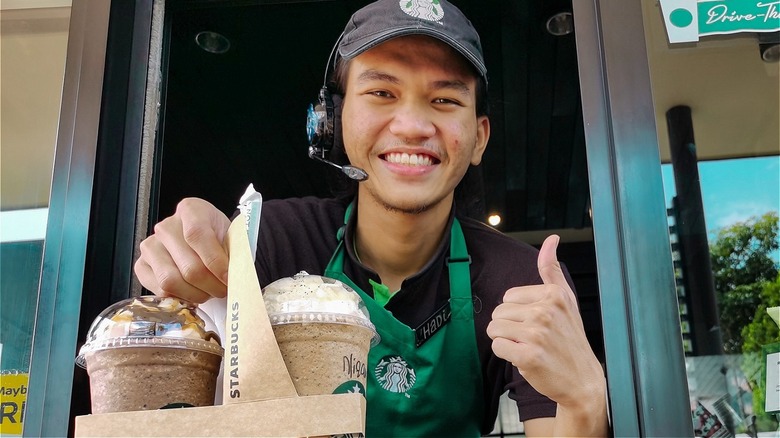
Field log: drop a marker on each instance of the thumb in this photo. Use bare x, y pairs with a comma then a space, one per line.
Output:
548, 265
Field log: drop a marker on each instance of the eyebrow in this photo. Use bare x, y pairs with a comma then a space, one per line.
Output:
377, 75
458, 86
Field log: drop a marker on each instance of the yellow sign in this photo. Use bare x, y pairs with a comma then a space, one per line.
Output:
13, 396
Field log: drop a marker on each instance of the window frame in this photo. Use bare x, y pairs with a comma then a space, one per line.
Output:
648, 386
645, 361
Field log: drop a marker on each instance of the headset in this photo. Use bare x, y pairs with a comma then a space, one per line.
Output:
323, 118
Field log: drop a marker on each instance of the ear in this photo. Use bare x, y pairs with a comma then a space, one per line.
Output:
483, 134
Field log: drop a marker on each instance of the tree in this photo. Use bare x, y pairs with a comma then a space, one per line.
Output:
741, 264
761, 331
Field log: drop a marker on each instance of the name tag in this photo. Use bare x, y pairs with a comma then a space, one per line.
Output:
432, 324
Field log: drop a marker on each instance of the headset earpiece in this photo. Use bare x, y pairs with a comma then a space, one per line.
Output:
320, 123
323, 126
320, 120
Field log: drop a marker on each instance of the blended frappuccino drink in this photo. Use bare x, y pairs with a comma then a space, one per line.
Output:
150, 353
323, 331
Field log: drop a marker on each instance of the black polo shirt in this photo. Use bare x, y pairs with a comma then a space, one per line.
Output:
300, 235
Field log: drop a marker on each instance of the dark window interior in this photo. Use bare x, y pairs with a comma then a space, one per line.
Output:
238, 117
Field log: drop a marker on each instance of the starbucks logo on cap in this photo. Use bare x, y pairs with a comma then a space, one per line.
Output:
426, 9
395, 375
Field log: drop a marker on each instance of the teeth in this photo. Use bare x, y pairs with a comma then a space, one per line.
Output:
410, 160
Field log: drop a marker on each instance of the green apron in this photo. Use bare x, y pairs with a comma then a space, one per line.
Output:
434, 389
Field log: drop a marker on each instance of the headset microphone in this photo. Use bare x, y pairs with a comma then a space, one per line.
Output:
353, 172
321, 124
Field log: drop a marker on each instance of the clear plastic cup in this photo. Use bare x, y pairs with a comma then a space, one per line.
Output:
323, 331
148, 353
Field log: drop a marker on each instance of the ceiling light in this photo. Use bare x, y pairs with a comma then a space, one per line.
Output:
769, 46
494, 219
212, 42
561, 24
770, 52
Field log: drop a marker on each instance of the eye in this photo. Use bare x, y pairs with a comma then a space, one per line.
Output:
380, 93
447, 101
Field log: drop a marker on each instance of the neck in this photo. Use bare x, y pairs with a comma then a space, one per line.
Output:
397, 245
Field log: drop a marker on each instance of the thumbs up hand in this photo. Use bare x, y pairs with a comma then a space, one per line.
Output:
539, 330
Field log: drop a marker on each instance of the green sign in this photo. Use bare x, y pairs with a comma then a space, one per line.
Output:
687, 20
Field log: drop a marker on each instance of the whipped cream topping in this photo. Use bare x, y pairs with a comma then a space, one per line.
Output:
153, 317
312, 293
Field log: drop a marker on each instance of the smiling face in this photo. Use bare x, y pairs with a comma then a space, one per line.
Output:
409, 120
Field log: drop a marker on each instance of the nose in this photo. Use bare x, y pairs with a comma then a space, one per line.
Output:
412, 121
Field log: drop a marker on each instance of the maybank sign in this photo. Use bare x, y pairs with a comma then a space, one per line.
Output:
687, 20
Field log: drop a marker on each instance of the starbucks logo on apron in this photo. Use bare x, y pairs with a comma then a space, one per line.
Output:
394, 374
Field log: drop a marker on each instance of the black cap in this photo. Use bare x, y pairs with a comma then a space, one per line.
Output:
387, 19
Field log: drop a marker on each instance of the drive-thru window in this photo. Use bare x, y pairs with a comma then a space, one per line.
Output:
646, 134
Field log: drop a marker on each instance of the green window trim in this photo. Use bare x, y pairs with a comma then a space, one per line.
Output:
645, 363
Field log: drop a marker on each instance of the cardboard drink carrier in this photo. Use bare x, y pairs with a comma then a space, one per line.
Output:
259, 397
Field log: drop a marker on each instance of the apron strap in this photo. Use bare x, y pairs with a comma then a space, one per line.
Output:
457, 262
460, 277
343, 228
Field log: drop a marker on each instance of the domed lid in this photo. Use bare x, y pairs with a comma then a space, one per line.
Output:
305, 298
150, 321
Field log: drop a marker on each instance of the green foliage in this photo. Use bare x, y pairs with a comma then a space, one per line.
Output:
746, 284
737, 308
760, 332
741, 264
741, 252
763, 330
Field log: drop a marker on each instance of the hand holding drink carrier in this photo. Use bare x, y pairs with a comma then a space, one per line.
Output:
309, 383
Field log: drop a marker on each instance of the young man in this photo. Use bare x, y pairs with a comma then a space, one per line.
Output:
411, 75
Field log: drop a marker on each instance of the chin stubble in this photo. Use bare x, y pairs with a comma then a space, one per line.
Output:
413, 210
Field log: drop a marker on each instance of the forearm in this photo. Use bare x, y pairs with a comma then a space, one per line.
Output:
584, 417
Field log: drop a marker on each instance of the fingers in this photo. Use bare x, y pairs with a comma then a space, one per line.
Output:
521, 313
507, 329
550, 268
547, 263
527, 294
529, 358
507, 349
524, 357
192, 267
538, 329
168, 283
543, 307
526, 323
184, 257
540, 294
204, 228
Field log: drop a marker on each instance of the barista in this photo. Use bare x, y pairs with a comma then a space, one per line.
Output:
464, 312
